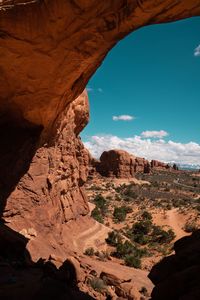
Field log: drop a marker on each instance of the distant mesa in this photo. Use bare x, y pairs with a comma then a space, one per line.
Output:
121, 164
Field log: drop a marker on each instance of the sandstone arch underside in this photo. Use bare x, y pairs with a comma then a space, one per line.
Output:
48, 51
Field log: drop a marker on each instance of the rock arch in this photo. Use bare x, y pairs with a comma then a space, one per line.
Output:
48, 51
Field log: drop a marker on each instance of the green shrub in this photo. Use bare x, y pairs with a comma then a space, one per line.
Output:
89, 251
99, 201
146, 215
140, 238
155, 184
101, 204
128, 248
142, 227
161, 236
95, 188
113, 238
190, 227
129, 192
132, 261
120, 213
123, 249
97, 215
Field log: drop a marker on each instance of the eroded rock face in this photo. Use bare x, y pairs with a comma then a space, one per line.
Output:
121, 164
117, 163
50, 193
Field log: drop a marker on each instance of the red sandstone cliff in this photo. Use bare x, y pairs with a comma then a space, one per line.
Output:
121, 164
50, 193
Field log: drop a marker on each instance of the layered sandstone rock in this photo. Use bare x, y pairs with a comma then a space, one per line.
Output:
157, 164
116, 163
121, 164
50, 192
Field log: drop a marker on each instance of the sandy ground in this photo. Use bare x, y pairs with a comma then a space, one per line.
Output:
173, 219
92, 237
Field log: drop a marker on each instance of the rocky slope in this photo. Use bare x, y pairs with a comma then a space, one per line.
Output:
121, 164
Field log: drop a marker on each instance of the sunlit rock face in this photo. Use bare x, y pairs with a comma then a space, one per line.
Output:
42, 187
120, 164
48, 51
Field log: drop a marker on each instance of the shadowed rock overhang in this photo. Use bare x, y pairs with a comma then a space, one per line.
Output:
50, 48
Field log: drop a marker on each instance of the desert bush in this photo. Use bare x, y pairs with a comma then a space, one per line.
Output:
109, 185
102, 255
132, 261
141, 227
95, 188
140, 238
129, 192
146, 215
145, 232
123, 249
190, 227
121, 212
127, 248
120, 188
155, 184
100, 202
118, 198
113, 238
178, 202
89, 251
97, 284
161, 236
97, 215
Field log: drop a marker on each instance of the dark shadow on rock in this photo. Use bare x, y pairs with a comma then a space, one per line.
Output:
20, 278
41, 281
19, 140
178, 276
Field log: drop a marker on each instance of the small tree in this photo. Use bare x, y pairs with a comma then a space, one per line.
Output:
132, 261
113, 238
120, 213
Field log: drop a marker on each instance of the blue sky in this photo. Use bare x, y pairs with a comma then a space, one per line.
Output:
153, 76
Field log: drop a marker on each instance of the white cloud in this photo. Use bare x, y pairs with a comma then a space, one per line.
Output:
197, 51
89, 89
154, 134
123, 118
167, 151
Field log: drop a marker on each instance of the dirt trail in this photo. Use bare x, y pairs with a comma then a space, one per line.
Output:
174, 221
92, 237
